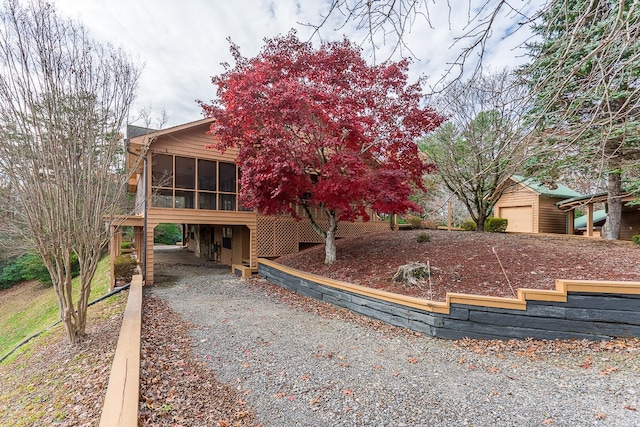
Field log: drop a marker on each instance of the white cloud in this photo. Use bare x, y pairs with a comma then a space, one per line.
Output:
182, 43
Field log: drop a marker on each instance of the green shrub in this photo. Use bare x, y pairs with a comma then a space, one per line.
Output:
415, 221
124, 267
496, 225
636, 239
167, 234
126, 245
423, 238
28, 267
469, 225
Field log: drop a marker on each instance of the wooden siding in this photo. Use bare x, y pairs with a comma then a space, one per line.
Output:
191, 143
551, 218
630, 224
518, 196
546, 216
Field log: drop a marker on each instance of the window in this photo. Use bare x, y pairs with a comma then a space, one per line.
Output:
207, 201
190, 183
185, 173
162, 170
227, 234
207, 172
228, 177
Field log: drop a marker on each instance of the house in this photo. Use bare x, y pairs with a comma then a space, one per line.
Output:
530, 206
629, 221
176, 179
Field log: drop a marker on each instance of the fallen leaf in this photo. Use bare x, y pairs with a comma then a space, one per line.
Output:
601, 416
347, 392
472, 366
609, 370
587, 362
315, 401
280, 395
493, 369
631, 408
377, 367
413, 360
548, 421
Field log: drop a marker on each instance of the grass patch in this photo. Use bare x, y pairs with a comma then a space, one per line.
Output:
30, 307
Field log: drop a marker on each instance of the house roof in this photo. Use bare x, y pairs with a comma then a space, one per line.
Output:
581, 222
537, 186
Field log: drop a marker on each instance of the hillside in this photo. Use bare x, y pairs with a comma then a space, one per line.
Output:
471, 262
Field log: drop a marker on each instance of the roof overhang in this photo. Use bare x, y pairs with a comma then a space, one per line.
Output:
574, 202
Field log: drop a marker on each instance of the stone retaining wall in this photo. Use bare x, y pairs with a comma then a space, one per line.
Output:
576, 309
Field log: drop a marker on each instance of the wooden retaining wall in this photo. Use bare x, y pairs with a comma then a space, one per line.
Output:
575, 309
121, 402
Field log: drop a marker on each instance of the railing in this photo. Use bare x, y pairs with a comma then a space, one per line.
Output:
121, 402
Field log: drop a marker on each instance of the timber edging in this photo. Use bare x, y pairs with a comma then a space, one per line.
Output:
121, 401
575, 309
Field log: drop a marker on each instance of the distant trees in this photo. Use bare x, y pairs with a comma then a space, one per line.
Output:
63, 100
482, 143
585, 81
319, 128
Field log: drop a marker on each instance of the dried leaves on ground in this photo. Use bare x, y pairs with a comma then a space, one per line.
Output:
176, 389
492, 264
56, 383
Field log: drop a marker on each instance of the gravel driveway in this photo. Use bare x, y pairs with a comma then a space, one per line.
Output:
299, 368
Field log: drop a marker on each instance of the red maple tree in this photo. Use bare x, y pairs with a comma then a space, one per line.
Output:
321, 128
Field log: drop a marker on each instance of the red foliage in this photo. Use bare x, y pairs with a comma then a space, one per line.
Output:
321, 127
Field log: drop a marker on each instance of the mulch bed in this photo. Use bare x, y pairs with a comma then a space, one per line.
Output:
493, 264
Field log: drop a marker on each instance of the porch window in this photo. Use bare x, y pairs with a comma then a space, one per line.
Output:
190, 183
227, 234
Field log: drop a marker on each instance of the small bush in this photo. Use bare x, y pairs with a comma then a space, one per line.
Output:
636, 239
167, 234
423, 238
415, 221
430, 224
126, 245
496, 225
124, 267
469, 225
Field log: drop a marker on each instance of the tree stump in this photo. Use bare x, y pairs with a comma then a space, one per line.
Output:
413, 274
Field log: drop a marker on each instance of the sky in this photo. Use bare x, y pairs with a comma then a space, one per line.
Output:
180, 45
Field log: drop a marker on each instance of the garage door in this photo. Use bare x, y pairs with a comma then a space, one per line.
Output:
520, 218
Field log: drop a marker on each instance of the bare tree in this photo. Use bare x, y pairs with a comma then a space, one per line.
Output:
63, 99
390, 22
482, 144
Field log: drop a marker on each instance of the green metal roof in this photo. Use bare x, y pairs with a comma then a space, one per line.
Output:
599, 215
540, 188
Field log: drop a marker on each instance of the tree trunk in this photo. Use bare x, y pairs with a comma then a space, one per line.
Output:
330, 240
614, 204
480, 223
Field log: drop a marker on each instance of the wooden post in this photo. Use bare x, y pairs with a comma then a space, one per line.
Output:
449, 225
590, 220
113, 253
571, 216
